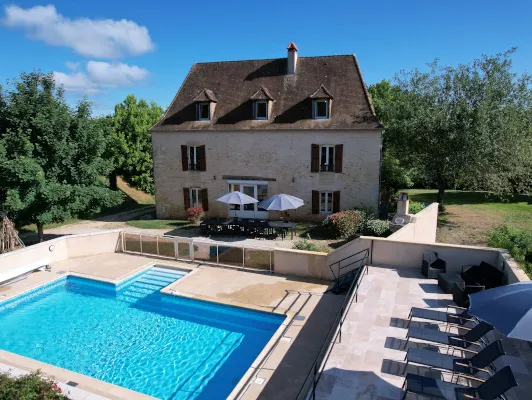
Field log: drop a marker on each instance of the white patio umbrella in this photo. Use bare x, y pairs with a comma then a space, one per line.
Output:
237, 198
281, 202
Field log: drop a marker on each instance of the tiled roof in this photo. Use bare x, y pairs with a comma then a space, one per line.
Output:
234, 83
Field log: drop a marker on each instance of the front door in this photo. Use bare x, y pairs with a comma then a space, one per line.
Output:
257, 191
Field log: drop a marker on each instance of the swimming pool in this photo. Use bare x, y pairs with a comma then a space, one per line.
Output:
133, 336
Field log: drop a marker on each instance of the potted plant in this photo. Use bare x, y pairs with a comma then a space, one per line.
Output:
195, 214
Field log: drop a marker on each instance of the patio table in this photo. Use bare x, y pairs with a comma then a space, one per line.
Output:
449, 280
284, 227
246, 227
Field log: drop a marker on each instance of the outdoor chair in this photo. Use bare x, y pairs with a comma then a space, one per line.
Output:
432, 266
484, 274
489, 389
461, 292
462, 341
457, 365
460, 318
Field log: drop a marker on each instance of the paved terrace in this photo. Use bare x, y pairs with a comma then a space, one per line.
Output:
368, 363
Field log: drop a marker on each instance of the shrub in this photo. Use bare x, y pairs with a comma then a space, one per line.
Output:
29, 387
517, 241
195, 214
377, 227
343, 224
415, 207
305, 244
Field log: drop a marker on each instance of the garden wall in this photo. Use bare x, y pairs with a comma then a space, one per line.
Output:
307, 264
62, 248
422, 227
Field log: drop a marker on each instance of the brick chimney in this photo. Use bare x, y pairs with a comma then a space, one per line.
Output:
292, 59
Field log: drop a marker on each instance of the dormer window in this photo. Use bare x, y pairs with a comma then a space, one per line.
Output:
261, 110
204, 112
262, 104
321, 109
205, 105
321, 103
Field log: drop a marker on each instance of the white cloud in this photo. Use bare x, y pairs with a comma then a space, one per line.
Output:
102, 38
115, 74
100, 75
72, 65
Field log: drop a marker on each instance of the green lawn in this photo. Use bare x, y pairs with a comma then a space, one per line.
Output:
470, 216
159, 223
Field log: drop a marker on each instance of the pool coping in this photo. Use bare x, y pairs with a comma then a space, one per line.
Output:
103, 388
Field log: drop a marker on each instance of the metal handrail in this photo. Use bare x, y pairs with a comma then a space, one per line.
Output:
335, 332
365, 257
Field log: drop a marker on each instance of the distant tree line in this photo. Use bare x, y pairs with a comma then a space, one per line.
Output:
466, 127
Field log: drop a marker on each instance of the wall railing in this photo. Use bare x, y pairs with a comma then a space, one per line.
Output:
188, 249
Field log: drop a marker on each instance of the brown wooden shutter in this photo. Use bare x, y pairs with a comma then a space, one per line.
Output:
204, 200
186, 197
315, 158
338, 157
336, 202
184, 157
201, 158
315, 202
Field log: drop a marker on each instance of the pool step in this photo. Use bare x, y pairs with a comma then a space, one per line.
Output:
149, 283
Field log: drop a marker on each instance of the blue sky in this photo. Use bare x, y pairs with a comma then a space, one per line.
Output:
107, 49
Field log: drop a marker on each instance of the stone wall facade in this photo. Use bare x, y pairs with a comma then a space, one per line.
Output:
283, 158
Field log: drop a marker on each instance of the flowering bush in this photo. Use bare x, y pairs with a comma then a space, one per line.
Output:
195, 214
343, 224
30, 386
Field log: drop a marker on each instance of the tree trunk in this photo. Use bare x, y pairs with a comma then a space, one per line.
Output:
441, 194
112, 182
40, 229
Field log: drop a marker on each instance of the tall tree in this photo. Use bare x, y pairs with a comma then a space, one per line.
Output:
468, 126
131, 149
50, 155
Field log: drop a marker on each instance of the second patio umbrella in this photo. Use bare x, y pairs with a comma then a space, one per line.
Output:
508, 308
281, 202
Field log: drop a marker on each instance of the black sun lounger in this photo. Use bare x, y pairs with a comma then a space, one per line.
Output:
467, 366
490, 389
447, 338
430, 314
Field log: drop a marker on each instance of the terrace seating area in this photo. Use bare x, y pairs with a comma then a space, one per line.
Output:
385, 340
248, 228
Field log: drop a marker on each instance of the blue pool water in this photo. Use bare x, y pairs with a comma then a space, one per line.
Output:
133, 336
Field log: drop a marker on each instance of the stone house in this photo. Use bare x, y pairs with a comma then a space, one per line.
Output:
303, 126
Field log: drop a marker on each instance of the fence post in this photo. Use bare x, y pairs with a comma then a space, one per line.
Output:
270, 261
157, 241
243, 257
140, 240
176, 249
123, 241
217, 255
191, 249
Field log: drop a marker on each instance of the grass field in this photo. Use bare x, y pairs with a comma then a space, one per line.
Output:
469, 217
